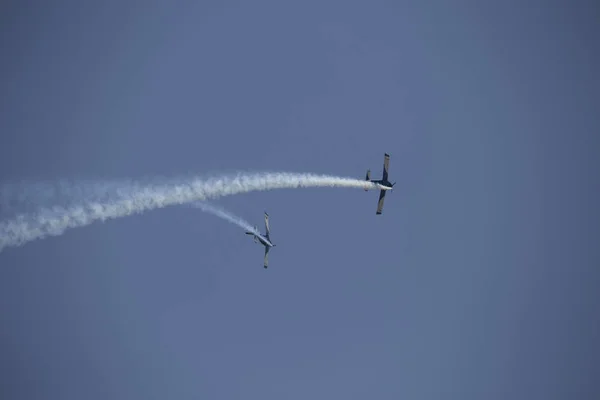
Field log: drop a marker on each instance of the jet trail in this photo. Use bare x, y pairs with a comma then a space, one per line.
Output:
226, 215
88, 202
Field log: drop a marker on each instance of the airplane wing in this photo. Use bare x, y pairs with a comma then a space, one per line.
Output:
386, 165
267, 256
267, 225
381, 199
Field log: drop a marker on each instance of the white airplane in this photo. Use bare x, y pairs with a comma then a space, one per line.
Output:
384, 184
264, 240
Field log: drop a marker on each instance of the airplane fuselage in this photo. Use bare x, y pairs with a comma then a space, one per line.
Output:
261, 239
264, 241
383, 184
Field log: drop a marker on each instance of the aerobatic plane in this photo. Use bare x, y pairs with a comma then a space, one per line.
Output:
383, 183
265, 239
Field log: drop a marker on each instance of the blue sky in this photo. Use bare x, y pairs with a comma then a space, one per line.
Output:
478, 281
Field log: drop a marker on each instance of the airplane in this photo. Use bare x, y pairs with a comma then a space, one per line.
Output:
264, 240
383, 183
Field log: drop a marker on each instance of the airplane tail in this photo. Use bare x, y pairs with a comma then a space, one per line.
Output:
368, 178
252, 233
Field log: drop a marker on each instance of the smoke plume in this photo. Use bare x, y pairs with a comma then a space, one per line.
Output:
80, 204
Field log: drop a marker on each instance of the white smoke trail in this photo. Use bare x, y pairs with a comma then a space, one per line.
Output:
102, 201
226, 215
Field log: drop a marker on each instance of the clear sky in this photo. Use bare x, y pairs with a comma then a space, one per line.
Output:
479, 281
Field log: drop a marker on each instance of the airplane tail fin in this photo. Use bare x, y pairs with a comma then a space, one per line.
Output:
368, 178
252, 233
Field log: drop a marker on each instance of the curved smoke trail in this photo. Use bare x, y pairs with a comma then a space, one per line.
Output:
226, 215
101, 201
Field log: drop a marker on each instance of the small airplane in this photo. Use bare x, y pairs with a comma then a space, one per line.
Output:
264, 240
383, 183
